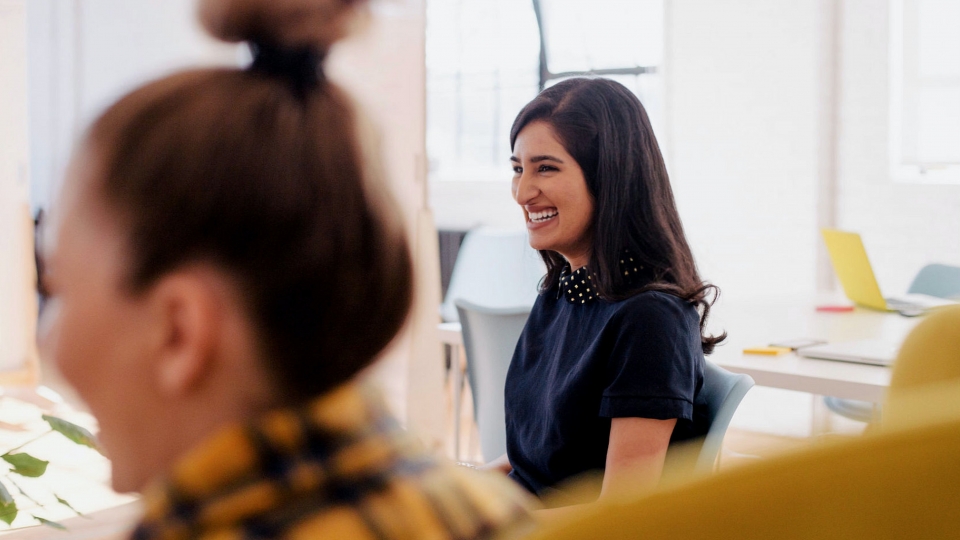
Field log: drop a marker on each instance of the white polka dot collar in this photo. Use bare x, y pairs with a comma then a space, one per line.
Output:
578, 287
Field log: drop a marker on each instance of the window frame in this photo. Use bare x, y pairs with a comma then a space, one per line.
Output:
904, 85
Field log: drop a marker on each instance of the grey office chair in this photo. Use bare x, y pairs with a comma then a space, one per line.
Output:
938, 280
722, 391
490, 336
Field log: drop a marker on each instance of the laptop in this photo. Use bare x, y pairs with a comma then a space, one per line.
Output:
875, 352
853, 268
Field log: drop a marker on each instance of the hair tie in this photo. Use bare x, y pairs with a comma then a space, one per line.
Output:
301, 66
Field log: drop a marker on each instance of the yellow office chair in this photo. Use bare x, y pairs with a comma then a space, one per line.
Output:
927, 368
900, 482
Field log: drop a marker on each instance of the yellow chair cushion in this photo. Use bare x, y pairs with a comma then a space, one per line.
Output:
902, 483
930, 354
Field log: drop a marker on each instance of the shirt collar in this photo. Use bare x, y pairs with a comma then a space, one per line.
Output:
293, 449
577, 287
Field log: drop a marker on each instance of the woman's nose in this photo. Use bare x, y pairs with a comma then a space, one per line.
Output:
524, 189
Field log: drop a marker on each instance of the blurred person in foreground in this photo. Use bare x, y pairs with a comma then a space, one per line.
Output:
224, 261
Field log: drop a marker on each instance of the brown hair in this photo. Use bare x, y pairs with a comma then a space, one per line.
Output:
241, 169
606, 129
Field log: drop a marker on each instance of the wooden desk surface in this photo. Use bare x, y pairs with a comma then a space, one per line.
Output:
111, 524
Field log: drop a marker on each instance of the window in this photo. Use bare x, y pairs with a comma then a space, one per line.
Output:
925, 91
486, 60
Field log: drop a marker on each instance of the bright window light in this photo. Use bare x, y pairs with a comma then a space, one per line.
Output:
925, 91
483, 66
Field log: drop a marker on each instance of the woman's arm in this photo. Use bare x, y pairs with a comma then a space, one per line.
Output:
501, 464
636, 453
635, 456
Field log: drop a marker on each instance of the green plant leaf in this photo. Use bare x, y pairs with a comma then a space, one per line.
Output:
68, 505
73, 432
8, 507
49, 523
26, 465
22, 492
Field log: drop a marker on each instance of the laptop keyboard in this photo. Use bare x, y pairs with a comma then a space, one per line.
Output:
905, 308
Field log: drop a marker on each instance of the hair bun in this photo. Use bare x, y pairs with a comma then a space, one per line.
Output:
288, 23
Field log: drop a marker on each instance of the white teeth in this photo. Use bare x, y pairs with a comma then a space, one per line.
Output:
539, 217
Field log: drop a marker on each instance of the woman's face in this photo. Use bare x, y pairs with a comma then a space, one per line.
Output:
92, 330
549, 184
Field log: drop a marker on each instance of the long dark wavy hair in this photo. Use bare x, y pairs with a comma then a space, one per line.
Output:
606, 129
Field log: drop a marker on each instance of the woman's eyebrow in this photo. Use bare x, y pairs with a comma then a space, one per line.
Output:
538, 159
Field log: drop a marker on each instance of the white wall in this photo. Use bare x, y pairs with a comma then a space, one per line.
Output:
84, 55
17, 276
904, 226
464, 205
384, 68
742, 108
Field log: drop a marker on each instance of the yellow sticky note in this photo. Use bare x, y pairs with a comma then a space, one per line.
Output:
771, 351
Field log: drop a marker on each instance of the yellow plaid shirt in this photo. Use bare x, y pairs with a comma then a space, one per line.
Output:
339, 467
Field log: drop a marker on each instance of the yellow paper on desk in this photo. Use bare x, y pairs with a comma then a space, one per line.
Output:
771, 351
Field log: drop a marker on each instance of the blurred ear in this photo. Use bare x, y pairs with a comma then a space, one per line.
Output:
189, 309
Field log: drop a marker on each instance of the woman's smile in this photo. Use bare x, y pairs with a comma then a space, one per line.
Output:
539, 219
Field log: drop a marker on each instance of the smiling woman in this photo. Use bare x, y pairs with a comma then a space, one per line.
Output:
609, 367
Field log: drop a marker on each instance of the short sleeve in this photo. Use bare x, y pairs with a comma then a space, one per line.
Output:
655, 366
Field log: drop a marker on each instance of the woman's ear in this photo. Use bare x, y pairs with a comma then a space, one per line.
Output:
190, 316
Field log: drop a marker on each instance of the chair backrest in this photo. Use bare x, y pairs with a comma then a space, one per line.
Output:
490, 336
938, 280
929, 356
722, 393
891, 485
494, 268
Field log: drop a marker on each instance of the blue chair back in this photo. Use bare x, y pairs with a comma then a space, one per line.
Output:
490, 336
494, 268
938, 280
722, 392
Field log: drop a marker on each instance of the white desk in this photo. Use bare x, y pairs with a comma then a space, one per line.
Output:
758, 323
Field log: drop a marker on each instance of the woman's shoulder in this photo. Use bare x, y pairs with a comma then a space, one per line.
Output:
652, 305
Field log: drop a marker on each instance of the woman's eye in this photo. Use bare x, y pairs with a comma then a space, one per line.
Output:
518, 170
546, 168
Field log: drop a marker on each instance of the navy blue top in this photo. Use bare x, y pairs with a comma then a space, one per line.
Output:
580, 363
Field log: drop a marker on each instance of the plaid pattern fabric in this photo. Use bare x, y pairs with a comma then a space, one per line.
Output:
339, 467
